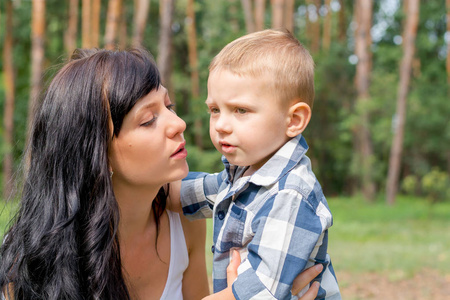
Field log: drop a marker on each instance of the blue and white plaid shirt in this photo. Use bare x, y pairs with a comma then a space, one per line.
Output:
278, 217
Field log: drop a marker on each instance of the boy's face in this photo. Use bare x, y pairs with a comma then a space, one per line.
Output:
247, 123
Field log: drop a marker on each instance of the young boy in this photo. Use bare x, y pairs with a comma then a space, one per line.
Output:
267, 202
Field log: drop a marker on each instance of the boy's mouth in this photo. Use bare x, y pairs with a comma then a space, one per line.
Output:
227, 148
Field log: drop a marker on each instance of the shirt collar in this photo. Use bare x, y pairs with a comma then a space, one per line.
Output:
287, 157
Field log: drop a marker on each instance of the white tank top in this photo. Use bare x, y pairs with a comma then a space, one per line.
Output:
179, 259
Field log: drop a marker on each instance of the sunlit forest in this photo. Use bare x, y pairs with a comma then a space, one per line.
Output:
379, 132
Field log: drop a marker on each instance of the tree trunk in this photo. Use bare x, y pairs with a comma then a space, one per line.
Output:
277, 13
409, 40
95, 23
313, 24
193, 65
141, 10
362, 80
8, 114
86, 24
326, 38
233, 11
248, 12
448, 45
112, 23
342, 32
70, 36
165, 42
260, 11
448, 71
37, 53
123, 30
289, 15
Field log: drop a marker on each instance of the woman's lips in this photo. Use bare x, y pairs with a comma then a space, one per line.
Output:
181, 152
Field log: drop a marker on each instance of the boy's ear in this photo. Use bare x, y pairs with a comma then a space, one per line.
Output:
299, 116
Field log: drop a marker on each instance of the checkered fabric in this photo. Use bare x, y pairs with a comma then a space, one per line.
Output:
278, 218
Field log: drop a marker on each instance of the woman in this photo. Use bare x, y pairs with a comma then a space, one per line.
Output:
93, 222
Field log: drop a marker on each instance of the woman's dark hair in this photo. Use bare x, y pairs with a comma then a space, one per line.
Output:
63, 243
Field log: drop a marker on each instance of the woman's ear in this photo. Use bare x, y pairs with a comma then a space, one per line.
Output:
299, 116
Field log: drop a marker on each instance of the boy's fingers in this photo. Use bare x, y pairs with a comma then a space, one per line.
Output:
305, 278
232, 267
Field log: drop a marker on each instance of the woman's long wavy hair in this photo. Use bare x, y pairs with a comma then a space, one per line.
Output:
63, 243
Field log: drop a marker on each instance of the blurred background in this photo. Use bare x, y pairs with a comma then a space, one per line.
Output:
379, 137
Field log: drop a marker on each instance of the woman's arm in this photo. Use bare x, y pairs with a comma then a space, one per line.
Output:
195, 279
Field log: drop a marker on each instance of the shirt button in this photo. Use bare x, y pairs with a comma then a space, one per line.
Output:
221, 215
213, 248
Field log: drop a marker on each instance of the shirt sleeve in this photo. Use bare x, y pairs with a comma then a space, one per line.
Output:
290, 235
198, 194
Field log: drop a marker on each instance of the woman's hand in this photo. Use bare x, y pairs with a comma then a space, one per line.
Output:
303, 279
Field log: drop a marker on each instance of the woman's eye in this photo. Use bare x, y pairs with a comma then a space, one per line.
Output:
146, 124
241, 110
171, 107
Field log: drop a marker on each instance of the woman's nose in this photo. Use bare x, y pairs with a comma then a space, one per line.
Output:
176, 125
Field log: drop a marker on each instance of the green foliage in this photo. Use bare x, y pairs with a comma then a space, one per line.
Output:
436, 185
204, 160
410, 185
330, 133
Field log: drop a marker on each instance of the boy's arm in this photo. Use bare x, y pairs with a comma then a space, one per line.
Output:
198, 194
290, 235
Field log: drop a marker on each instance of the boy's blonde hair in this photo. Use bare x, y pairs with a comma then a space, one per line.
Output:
272, 54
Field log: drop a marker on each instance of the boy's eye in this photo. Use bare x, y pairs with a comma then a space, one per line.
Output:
214, 110
241, 110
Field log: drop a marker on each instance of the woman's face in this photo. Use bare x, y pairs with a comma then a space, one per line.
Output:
150, 148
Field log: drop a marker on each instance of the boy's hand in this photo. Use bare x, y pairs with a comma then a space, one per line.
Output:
173, 199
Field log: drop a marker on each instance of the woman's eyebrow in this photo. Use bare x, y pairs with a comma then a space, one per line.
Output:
144, 108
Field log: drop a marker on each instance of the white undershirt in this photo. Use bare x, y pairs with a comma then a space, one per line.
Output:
179, 259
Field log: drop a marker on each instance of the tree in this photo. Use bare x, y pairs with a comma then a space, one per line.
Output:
86, 24
37, 53
363, 16
409, 40
8, 114
260, 10
289, 15
248, 12
193, 66
448, 71
313, 24
165, 41
70, 36
277, 13
141, 9
326, 38
342, 24
95, 23
448, 45
112, 23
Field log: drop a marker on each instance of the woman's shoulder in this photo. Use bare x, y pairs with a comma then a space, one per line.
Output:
194, 231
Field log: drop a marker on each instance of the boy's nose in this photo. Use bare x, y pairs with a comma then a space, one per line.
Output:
222, 124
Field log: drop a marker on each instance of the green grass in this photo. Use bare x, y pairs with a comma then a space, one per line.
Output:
405, 238
401, 239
